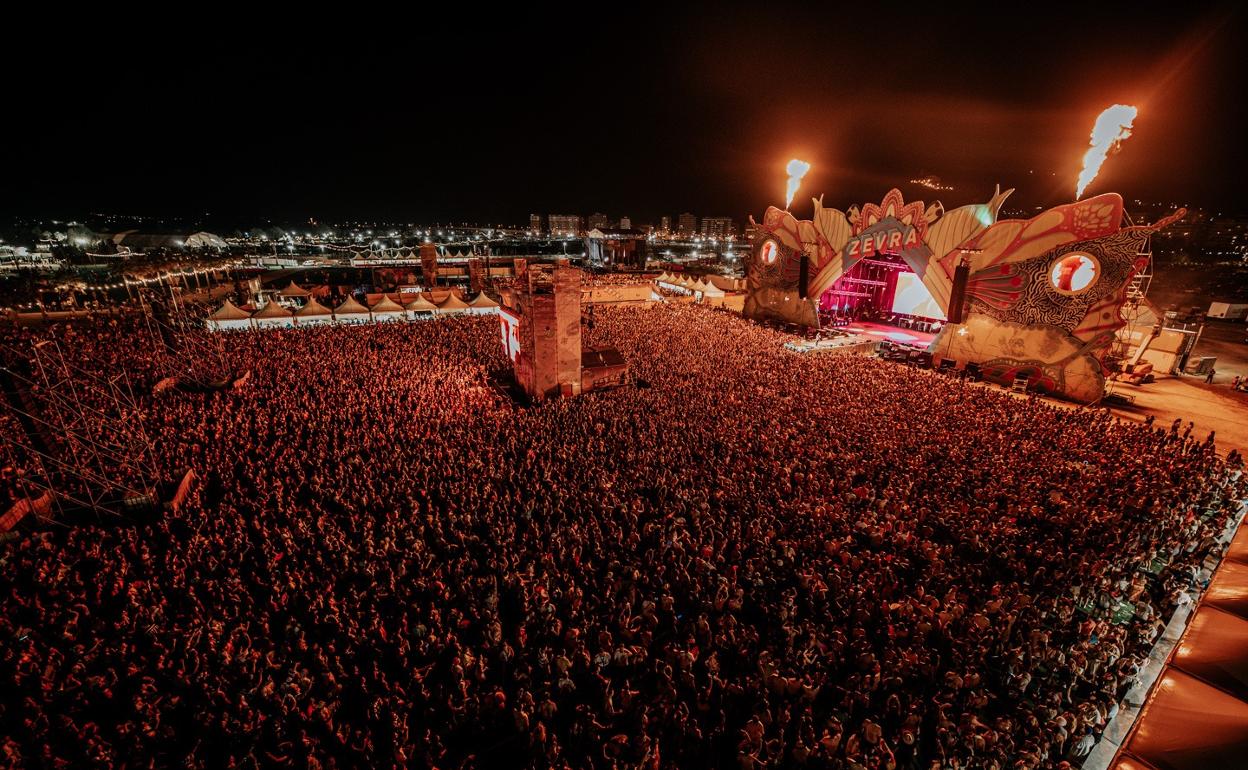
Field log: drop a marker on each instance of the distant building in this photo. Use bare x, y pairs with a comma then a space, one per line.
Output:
626, 222
535, 224
598, 221
718, 227
617, 247
564, 224
686, 224
665, 225
139, 241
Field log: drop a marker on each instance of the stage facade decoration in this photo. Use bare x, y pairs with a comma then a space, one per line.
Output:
1042, 296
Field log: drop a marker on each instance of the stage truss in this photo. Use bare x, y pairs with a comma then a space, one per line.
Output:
80, 437
1136, 304
178, 329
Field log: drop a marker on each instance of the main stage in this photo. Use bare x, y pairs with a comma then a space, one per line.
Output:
1039, 300
860, 338
895, 334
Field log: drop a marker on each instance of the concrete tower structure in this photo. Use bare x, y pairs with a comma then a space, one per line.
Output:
476, 275
429, 264
548, 300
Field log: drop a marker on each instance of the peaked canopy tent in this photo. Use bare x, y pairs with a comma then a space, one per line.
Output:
711, 290
313, 313
272, 314
387, 309
1196, 716
673, 282
421, 308
351, 312
229, 316
453, 305
482, 305
294, 291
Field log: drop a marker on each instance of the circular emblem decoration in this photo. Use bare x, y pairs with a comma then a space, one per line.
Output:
769, 252
1074, 273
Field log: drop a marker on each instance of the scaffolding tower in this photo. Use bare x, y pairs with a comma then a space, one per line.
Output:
80, 436
178, 330
1136, 303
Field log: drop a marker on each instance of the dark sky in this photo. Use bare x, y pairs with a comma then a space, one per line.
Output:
627, 110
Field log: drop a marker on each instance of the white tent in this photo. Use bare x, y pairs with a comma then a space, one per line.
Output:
202, 240
351, 312
229, 316
679, 283
272, 314
387, 309
313, 313
482, 305
711, 290
294, 290
421, 307
452, 305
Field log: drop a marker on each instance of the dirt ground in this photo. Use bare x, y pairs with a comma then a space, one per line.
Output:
1225, 340
1210, 407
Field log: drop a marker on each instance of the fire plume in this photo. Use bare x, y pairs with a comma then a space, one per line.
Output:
1111, 127
796, 170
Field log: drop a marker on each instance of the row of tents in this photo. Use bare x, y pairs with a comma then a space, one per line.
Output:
705, 286
405, 252
350, 311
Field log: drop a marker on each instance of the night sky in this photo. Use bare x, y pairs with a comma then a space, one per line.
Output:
624, 110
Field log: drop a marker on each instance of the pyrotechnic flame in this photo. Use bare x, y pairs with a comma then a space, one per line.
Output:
796, 170
1112, 126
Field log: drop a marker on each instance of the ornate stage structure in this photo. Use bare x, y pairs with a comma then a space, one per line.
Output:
1039, 299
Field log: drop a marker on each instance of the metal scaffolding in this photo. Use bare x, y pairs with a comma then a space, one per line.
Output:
80, 435
1136, 303
178, 329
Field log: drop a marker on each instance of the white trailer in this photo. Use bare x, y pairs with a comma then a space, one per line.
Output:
1232, 310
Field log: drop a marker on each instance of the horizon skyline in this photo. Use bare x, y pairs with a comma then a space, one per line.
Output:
297, 220
492, 122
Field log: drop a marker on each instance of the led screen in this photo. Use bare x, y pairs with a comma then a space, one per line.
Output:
913, 298
510, 328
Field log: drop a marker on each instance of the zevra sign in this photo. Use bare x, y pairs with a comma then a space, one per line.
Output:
889, 236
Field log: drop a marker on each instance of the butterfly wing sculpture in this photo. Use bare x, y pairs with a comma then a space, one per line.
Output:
1023, 316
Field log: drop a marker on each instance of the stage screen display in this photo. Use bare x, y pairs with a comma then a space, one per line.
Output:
913, 298
510, 328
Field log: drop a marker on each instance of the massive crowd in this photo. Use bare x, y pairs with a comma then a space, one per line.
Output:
757, 560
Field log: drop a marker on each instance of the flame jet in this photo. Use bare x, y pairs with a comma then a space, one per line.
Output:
796, 170
1111, 128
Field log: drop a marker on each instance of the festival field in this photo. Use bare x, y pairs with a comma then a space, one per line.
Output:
748, 559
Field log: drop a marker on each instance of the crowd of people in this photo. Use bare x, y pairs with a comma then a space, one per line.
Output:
758, 560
